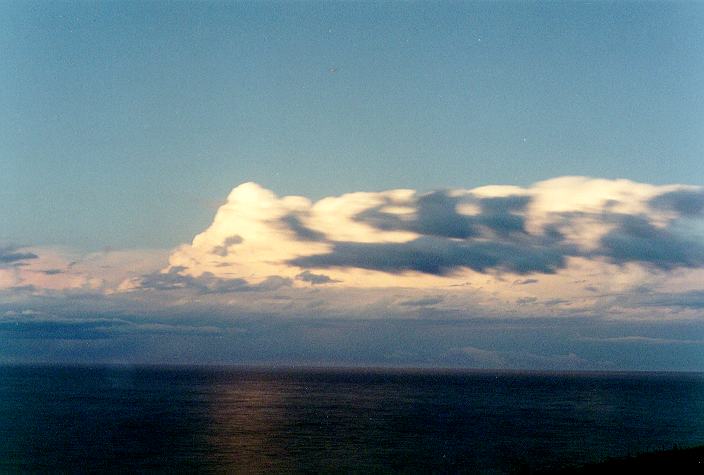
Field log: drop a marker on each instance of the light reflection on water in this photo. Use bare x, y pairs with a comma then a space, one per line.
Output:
255, 421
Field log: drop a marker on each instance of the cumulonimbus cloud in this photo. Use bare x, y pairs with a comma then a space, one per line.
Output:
407, 238
567, 246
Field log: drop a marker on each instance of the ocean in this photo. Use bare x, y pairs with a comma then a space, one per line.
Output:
307, 420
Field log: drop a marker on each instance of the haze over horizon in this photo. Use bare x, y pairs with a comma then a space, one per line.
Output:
474, 185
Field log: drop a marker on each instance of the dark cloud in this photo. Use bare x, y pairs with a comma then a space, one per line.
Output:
294, 224
11, 255
500, 214
495, 239
692, 299
207, 283
223, 249
220, 251
61, 330
441, 256
635, 239
52, 271
436, 215
273, 282
423, 302
525, 281
683, 202
73, 328
24, 288
315, 279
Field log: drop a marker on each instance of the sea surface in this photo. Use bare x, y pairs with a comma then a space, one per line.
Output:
254, 420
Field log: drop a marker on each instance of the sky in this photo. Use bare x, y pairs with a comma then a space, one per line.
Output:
489, 185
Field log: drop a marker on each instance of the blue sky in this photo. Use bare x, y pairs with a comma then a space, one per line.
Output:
135, 120
127, 128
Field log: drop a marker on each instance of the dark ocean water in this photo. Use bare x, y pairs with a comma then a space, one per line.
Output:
336, 420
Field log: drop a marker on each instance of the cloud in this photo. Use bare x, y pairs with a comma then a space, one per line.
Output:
206, 283
553, 302
37, 325
437, 214
293, 223
223, 249
52, 271
637, 239
686, 202
60, 269
422, 302
12, 255
567, 246
315, 279
64, 330
442, 256
643, 340
689, 299
525, 281
570, 246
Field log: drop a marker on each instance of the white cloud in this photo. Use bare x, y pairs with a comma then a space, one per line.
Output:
585, 247
401, 238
